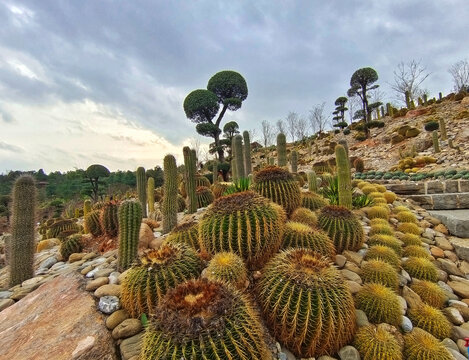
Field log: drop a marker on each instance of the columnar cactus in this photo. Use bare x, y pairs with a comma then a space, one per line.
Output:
247, 153
170, 205
215, 172
201, 319
190, 169
306, 302
142, 189
109, 219
239, 158
281, 150
436, 142
444, 135
312, 181
151, 194
21, 247
344, 177
407, 100
86, 207
130, 218
294, 161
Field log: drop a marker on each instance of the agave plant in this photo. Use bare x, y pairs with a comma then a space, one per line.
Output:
240, 185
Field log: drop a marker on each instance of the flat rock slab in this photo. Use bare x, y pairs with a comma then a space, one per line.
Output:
57, 321
457, 221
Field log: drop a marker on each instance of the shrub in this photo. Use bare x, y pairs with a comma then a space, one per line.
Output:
229, 268
379, 303
421, 268
431, 126
420, 345
380, 272
376, 343
430, 293
431, 320
384, 253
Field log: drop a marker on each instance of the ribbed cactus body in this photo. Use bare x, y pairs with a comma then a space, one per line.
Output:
436, 141
93, 223
23, 221
430, 319
170, 206
444, 135
307, 304
142, 189
294, 161
377, 343
190, 168
386, 240
229, 268
204, 196
201, 180
344, 177
86, 207
278, 185
312, 181
247, 153
416, 251
220, 188
343, 227
384, 253
430, 293
239, 157
244, 223
130, 219
70, 245
379, 303
421, 268
151, 194
187, 233
312, 201
61, 227
205, 320
305, 216
281, 150
109, 219
215, 172
380, 272
149, 279
420, 345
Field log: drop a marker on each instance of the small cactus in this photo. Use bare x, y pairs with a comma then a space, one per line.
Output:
386, 240
420, 345
305, 216
312, 201
430, 319
130, 219
294, 161
312, 181
170, 205
229, 268
109, 219
281, 150
378, 212
92, 223
444, 135
430, 293
219, 188
204, 197
411, 239
142, 189
409, 228
215, 172
239, 158
384, 253
70, 245
247, 153
420, 268
379, 303
190, 169
416, 251
151, 194
406, 216
187, 233
380, 272
436, 142
344, 177
86, 207
376, 343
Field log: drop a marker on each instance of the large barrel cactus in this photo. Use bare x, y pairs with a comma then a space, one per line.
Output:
155, 272
278, 185
306, 302
130, 219
204, 320
204, 196
244, 223
343, 227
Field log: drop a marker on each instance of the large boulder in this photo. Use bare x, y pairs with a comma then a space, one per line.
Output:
57, 321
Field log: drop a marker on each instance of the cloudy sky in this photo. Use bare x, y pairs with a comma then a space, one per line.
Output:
103, 81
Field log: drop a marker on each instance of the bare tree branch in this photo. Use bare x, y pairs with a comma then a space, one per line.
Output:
408, 77
301, 128
317, 119
267, 133
292, 121
280, 126
460, 73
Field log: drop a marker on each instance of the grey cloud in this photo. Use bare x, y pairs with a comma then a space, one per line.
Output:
9, 147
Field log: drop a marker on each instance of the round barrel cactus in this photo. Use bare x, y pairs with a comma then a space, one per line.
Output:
187, 233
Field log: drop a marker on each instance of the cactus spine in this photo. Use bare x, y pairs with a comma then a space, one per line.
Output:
294, 161
345, 182
312, 181
86, 207
21, 246
170, 205
444, 135
247, 153
151, 194
281, 150
189, 166
130, 218
239, 160
142, 189
436, 142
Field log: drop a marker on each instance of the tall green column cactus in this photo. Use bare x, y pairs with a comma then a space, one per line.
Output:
407, 99
247, 153
312, 181
440, 96
444, 135
294, 161
234, 172
142, 189
151, 194
189, 166
436, 142
281, 150
425, 99
22, 246
170, 205
215, 172
130, 219
239, 159
343, 172
86, 207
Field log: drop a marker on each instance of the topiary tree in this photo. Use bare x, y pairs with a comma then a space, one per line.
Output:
361, 83
226, 88
92, 174
339, 112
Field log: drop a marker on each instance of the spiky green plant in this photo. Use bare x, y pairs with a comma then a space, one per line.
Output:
220, 188
381, 229
109, 219
406, 217
379, 221
151, 194
281, 150
421, 268
278, 185
229, 268
304, 216
416, 251
400, 208
201, 319
436, 141
390, 197
379, 303
93, 224
342, 226
300, 235
306, 302
142, 189
368, 189
170, 206
431, 320
376, 194
384, 253
379, 201
411, 239
130, 219
312, 181
430, 293
187, 233
201, 180
23, 222
247, 153
378, 212
215, 172
244, 223
204, 196
386, 240
444, 135
344, 177
294, 161
240, 185
61, 227
380, 272
239, 157
376, 343
86, 207
148, 280
420, 345
189, 170
70, 245
312, 201
181, 203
